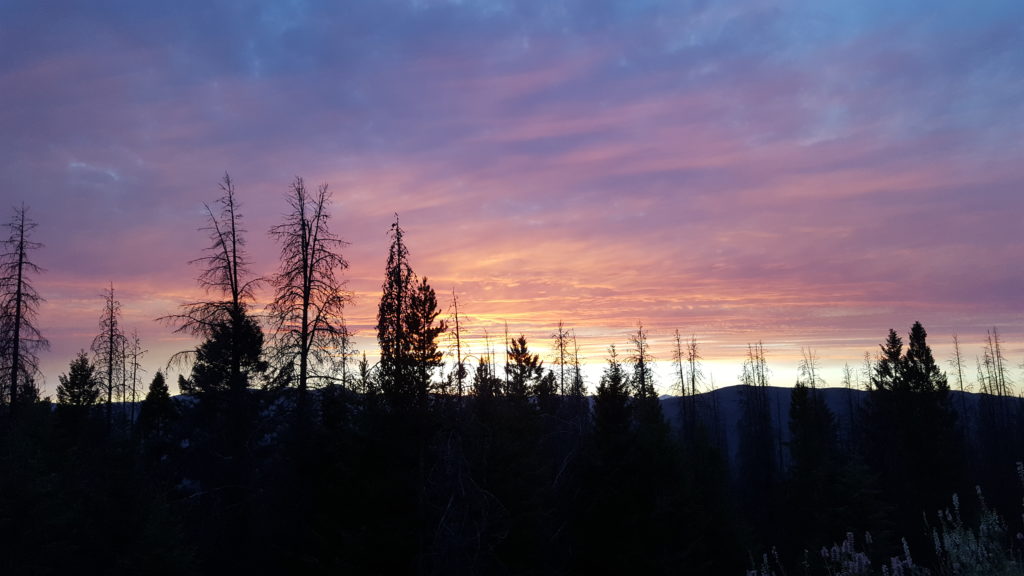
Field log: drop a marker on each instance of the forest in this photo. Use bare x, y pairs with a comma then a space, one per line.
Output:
287, 453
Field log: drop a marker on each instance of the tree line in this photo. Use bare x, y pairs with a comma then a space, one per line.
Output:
279, 457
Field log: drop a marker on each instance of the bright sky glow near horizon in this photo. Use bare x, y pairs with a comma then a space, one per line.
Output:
807, 174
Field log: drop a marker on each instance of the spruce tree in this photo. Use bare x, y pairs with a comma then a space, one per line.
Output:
80, 387
395, 375
407, 329
912, 442
157, 408
524, 370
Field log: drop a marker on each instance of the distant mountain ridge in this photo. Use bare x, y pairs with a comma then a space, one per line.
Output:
728, 403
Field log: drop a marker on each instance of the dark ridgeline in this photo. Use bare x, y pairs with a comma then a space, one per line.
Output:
281, 458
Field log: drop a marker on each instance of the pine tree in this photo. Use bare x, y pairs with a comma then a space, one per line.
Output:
407, 329
612, 412
524, 370
229, 357
80, 386
912, 442
396, 371
157, 408
815, 498
423, 330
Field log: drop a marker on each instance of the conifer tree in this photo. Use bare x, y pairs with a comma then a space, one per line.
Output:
524, 369
911, 439
395, 354
423, 330
79, 387
612, 413
157, 408
407, 329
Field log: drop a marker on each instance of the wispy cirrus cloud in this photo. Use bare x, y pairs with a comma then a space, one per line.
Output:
807, 174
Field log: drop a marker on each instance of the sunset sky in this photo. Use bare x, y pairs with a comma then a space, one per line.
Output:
808, 174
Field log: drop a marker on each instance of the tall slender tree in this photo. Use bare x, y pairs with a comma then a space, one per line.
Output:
757, 457
108, 349
407, 329
395, 365
643, 374
459, 373
562, 356
20, 338
310, 296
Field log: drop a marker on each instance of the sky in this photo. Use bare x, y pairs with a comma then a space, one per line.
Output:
806, 174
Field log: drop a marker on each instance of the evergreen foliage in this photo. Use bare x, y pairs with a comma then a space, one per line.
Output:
80, 386
158, 408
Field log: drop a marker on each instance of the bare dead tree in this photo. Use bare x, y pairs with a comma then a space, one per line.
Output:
561, 337
108, 347
460, 372
20, 338
225, 276
643, 375
307, 313
808, 368
133, 366
578, 389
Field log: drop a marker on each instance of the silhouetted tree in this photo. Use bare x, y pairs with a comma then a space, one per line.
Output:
108, 347
225, 364
309, 298
912, 443
396, 378
524, 370
225, 273
185, 385
157, 408
423, 330
20, 338
133, 370
612, 413
643, 374
460, 372
687, 360
80, 386
563, 356
229, 357
814, 500
757, 462
407, 329
486, 384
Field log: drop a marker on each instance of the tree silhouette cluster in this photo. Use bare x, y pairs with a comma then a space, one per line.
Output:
278, 457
